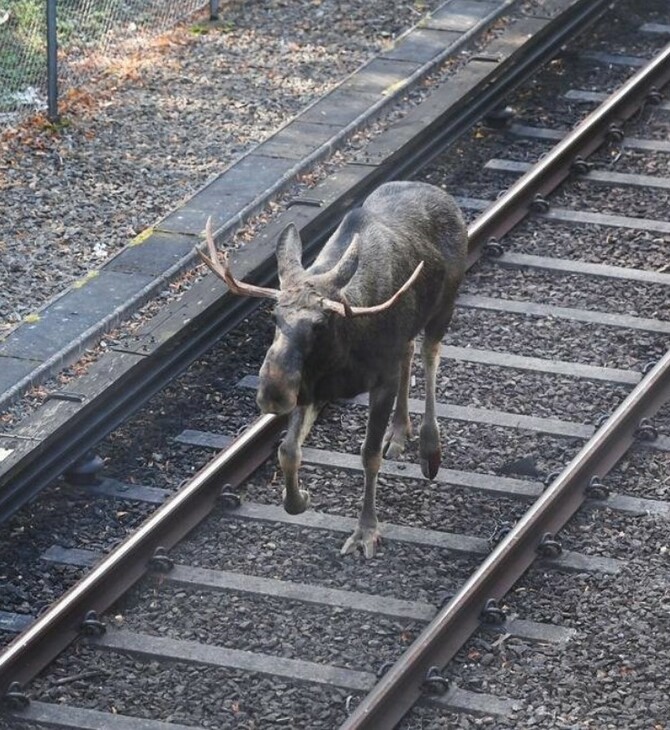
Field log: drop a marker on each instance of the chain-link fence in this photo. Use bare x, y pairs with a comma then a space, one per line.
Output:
83, 28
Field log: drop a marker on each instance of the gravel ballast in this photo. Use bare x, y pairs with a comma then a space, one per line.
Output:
150, 132
611, 675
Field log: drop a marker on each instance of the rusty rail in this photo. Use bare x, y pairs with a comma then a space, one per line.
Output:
118, 571
402, 686
602, 125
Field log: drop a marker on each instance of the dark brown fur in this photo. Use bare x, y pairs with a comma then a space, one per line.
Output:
318, 356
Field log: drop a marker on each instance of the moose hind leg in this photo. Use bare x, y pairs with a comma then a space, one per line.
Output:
296, 500
429, 435
366, 535
401, 428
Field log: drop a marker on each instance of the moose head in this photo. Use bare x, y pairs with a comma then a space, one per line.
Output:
305, 305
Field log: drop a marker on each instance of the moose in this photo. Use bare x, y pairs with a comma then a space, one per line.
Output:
346, 325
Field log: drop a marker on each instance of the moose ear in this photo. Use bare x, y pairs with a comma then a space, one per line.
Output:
289, 255
342, 272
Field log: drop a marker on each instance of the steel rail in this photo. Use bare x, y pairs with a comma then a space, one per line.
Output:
32, 650
546, 44
72, 440
402, 686
519, 199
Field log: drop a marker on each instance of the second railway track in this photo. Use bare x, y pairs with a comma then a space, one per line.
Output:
256, 621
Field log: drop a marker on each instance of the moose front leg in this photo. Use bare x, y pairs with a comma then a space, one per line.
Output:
300, 423
366, 535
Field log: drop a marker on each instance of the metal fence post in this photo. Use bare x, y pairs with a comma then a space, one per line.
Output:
52, 62
213, 9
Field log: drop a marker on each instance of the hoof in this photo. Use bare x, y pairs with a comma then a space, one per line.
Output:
430, 464
296, 505
395, 441
365, 538
430, 453
392, 450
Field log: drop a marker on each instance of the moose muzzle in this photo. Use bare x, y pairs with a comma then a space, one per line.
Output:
277, 389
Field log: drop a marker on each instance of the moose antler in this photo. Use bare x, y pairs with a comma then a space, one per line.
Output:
218, 263
345, 310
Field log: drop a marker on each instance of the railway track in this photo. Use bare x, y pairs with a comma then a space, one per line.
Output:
253, 590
